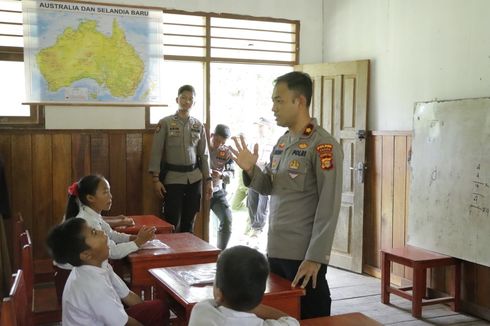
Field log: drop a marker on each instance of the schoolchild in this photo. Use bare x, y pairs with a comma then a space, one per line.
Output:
94, 294
241, 276
87, 198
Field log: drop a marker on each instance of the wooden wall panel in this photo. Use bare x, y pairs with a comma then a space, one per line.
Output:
99, 154
387, 193
61, 176
399, 188
5, 157
134, 170
42, 191
386, 219
21, 187
40, 165
150, 201
117, 174
80, 156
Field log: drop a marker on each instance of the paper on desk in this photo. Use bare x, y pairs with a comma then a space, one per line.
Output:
202, 276
154, 244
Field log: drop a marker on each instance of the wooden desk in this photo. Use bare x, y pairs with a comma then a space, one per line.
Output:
352, 319
183, 297
141, 220
184, 249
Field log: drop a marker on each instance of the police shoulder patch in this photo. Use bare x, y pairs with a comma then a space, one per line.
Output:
325, 152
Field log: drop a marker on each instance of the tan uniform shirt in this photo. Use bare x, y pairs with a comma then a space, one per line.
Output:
180, 141
304, 179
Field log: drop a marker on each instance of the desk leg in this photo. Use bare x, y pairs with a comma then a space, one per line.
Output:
419, 289
385, 278
457, 286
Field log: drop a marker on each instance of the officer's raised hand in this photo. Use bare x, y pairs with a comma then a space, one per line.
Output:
245, 159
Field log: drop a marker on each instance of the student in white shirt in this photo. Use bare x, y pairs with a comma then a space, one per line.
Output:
241, 276
94, 294
87, 198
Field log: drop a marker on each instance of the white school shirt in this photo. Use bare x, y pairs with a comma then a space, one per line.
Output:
119, 244
92, 296
208, 313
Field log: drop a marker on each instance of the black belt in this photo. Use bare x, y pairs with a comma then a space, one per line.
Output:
180, 168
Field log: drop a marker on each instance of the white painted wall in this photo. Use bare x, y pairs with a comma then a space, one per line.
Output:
420, 50
311, 48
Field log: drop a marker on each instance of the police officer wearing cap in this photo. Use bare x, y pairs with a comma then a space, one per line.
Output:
304, 179
222, 170
178, 163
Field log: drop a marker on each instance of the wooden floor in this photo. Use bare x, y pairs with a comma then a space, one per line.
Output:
360, 293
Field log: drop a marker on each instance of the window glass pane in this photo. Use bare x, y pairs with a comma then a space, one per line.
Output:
183, 19
251, 45
241, 94
10, 5
257, 55
184, 30
249, 34
185, 51
175, 74
11, 29
254, 24
13, 98
184, 40
12, 41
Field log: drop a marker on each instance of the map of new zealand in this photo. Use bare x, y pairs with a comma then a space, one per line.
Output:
92, 53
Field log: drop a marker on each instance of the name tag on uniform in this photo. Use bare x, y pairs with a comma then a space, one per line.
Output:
275, 162
174, 133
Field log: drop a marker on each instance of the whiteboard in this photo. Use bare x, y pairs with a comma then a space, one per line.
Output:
450, 186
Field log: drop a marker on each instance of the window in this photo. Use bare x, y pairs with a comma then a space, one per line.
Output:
12, 67
229, 49
175, 74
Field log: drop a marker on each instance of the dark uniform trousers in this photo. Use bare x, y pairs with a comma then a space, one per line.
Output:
258, 209
182, 202
221, 207
316, 302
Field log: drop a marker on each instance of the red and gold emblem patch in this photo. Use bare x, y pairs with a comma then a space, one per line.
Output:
326, 156
222, 154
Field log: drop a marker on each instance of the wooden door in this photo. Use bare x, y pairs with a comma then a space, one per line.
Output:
340, 94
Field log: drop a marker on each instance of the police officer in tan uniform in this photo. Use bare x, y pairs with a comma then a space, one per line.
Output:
178, 163
304, 179
222, 170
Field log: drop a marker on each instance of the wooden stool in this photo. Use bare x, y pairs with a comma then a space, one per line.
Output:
419, 260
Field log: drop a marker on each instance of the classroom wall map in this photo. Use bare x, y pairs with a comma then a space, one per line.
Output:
91, 53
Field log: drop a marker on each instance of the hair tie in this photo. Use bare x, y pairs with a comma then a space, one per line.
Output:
73, 189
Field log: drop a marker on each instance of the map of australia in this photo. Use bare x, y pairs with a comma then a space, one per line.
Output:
85, 52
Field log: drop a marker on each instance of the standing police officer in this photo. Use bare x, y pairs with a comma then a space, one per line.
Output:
304, 179
222, 170
178, 163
